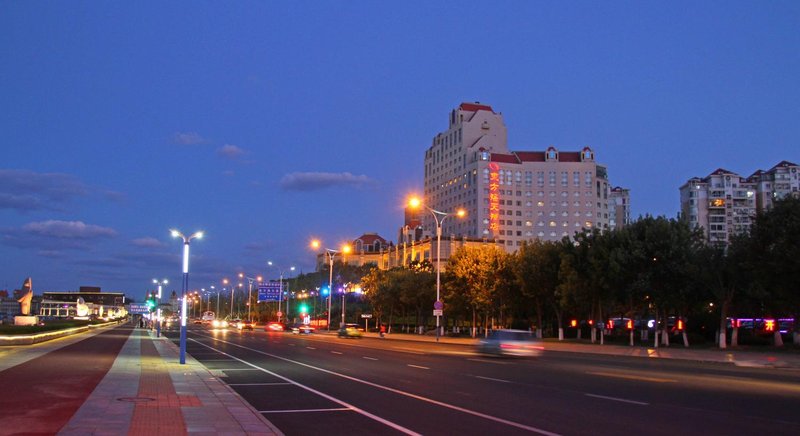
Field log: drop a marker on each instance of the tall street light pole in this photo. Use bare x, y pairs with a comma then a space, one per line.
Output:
185, 286
250, 281
331, 253
280, 289
225, 282
439, 217
158, 305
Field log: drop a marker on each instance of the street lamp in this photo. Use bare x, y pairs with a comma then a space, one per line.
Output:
249, 293
280, 287
226, 282
158, 305
439, 217
185, 286
331, 253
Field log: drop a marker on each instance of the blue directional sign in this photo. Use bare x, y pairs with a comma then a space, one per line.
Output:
138, 309
269, 292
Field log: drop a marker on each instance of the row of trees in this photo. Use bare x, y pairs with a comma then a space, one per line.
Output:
654, 268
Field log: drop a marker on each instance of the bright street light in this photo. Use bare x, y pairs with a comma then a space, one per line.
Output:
439, 217
185, 286
158, 305
315, 244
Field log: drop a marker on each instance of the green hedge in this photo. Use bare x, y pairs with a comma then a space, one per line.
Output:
47, 327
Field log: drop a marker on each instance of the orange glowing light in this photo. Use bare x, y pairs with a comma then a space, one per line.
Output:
769, 325
573, 323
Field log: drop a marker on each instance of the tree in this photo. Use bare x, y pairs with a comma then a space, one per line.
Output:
482, 273
536, 268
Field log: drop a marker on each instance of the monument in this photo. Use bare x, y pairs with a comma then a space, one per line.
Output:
25, 317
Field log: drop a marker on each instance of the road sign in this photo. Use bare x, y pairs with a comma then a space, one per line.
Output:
437, 312
366, 315
138, 309
438, 305
269, 292
280, 314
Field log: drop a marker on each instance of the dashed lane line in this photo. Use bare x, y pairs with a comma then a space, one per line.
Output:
622, 400
494, 379
417, 366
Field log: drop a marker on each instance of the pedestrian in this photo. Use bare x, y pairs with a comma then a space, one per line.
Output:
383, 329
141, 323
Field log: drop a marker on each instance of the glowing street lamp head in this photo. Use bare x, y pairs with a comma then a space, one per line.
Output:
175, 233
346, 249
315, 244
198, 235
414, 202
224, 281
259, 278
241, 275
461, 213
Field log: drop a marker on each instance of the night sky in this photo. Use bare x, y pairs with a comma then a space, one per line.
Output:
267, 124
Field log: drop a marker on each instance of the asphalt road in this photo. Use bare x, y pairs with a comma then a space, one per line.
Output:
321, 383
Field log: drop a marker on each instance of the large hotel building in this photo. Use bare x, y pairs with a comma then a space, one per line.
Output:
724, 203
514, 196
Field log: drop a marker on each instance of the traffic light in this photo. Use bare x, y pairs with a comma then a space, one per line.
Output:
151, 302
304, 308
326, 290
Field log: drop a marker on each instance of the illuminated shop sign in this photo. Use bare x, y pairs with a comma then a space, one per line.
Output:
494, 197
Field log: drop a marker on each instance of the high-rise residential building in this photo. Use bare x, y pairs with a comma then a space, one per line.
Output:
510, 196
722, 203
619, 208
725, 204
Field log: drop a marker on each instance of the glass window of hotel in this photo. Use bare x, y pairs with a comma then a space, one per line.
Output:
577, 224
564, 224
576, 203
564, 204
508, 177
519, 176
576, 178
528, 223
540, 203
588, 175
577, 213
519, 232
529, 233
553, 234
564, 194
576, 194
541, 234
552, 175
552, 223
528, 193
540, 213
540, 224
528, 203
552, 193
565, 213
540, 178
540, 194
564, 178
588, 224
552, 213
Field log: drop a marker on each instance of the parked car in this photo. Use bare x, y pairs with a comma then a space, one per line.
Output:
510, 343
350, 331
302, 329
274, 326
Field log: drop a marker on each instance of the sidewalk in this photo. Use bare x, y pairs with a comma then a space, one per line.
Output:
148, 392
767, 358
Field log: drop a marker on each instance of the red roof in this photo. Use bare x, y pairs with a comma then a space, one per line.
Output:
530, 156
474, 107
569, 156
505, 158
370, 238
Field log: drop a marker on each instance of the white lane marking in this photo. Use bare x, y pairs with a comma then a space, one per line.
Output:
338, 409
311, 348
257, 384
337, 352
312, 390
375, 385
417, 366
494, 379
498, 362
369, 358
617, 399
235, 369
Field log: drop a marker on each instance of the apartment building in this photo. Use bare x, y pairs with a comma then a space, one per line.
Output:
511, 196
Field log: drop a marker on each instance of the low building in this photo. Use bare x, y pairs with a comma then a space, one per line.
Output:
66, 304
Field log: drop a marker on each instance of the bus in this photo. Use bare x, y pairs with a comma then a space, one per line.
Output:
208, 317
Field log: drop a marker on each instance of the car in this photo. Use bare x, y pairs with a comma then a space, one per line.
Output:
219, 324
302, 329
274, 326
245, 325
197, 321
350, 331
510, 343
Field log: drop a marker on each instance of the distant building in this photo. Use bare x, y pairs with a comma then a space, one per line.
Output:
510, 196
724, 203
65, 304
619, 206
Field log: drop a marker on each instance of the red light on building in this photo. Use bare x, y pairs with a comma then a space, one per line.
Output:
573, 323
769, 325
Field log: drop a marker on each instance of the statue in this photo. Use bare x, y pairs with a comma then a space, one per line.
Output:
27, 296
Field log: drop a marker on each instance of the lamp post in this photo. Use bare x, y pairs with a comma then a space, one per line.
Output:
225, 282
185, 286
158, 305
280, 287
213, 289
249, 293
331, 254
439, 217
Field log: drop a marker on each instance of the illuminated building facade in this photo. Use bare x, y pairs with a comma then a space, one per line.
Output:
725, 204
510, 196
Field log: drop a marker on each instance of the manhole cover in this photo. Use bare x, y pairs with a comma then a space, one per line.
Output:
136, 399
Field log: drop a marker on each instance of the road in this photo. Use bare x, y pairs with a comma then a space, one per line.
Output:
320, 383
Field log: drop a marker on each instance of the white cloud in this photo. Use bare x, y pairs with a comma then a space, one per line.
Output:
147, 242
68, 230
188, 138
25, 190
230, 151
317, 181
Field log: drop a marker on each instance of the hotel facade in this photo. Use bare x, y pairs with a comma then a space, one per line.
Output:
513, 196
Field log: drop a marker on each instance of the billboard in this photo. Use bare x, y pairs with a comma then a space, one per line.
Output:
139, 309
269, 292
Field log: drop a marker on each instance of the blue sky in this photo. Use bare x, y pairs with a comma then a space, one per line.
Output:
269, 123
